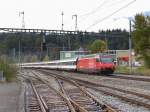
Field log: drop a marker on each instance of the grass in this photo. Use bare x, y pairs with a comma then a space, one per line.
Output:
135, 70
122, 69
8, 68
143, 71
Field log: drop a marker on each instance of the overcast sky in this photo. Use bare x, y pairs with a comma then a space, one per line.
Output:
91, 13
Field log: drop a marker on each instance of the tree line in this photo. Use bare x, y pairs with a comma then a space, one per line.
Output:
30, 43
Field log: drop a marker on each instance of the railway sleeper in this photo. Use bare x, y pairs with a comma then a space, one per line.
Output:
55, 102
51, 97
55, 105
33, 105
59, 110
89, 109
34, 108
59, 107
81, 97
86, 102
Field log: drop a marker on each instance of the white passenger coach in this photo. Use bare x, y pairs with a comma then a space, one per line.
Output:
68, 64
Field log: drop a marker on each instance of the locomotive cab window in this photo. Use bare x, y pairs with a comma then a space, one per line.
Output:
106, 60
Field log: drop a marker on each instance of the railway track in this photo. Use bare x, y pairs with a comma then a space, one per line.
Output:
80, 96
50, 101
130, 77
45, 99
125, 95
122, 76
81, 100
33, 101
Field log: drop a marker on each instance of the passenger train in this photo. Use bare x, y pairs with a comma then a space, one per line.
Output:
102, 64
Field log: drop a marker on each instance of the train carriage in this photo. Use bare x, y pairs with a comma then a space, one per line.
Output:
91, 63
68, 64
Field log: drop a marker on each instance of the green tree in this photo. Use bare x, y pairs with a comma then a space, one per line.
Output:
98, 46
141, 37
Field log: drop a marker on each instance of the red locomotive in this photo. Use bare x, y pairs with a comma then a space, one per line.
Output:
96, 64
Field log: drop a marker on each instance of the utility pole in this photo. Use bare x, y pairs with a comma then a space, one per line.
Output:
106, 40
23, 22
62, 28
23, 27
130, 47
130, 42
69, 46
19, 50
76, 24
76, 21
62, 25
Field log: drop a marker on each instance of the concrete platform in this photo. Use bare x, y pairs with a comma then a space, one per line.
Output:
10, 97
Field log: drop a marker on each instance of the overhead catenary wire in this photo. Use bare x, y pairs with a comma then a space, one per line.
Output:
96, 9
106, 17
82, 17
101, 6
85, 16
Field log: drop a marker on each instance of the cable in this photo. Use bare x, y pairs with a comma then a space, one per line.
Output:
85, 16
96, 9
99, 7
106, 17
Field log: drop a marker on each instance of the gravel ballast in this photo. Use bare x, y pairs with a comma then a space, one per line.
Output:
123, 106
139, 85
117, 103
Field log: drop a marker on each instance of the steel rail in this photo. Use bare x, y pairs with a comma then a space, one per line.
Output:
91, 84
105, 107
124, 76
41, 101
121, 97
113, 88
110, 87
130, 77
77, 107
59, 93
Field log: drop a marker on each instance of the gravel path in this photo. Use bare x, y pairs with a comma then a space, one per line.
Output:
9, 97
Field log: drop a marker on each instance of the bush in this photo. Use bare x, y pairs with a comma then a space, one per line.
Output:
8, 68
